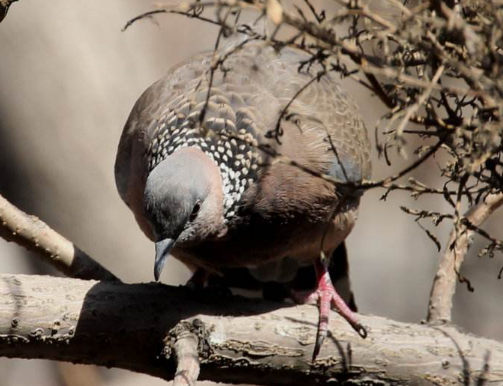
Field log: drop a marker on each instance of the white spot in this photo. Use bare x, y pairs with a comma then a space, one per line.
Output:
172, 118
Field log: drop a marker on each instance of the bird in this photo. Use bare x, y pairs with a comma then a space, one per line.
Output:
242, 282
248, 157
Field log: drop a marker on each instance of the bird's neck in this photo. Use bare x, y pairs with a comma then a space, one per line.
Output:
227, 177
236, 164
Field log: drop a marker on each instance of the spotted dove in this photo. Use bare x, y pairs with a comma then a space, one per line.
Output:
221, 167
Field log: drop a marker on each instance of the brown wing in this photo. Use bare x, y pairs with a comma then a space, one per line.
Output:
246, 99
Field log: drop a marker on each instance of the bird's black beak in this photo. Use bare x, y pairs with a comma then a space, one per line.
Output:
162, 249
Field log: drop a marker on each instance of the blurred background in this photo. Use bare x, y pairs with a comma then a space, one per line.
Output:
68, 79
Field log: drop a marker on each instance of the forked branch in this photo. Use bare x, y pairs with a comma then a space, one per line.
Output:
444, 284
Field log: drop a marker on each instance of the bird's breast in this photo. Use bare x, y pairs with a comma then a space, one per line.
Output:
264, 241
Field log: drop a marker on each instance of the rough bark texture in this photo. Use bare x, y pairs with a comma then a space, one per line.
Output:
240, 340
36, 236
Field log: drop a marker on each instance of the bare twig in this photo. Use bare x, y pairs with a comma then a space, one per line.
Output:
4, 7
444, 284
278, 132
388, 180
33, 234
411, 110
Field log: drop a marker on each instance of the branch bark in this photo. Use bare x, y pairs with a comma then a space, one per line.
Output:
444, 283
239, 340
36, 236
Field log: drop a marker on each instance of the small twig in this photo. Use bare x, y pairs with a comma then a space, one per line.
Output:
142, 16
33, 234
387, 181
444, 284
278, 132
4, 7
411, 110
149, 14
217, 61
319, 17
363, 10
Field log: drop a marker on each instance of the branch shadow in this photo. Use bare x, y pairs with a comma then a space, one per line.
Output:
146, 313
480, 380
345, 354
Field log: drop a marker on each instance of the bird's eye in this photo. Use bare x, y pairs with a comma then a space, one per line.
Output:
195, 211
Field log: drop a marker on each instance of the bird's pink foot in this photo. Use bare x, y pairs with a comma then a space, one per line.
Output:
327, 297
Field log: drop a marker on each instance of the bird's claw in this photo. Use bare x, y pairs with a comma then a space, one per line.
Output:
362, 331
320, 338
327, 298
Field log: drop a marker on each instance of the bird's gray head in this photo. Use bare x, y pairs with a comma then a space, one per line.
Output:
183, 202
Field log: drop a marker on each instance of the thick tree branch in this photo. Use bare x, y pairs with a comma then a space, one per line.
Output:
240, 340
36, 236
444, 284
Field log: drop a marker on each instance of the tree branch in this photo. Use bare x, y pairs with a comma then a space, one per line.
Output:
186, 355
36, 236
239, 340
444, 284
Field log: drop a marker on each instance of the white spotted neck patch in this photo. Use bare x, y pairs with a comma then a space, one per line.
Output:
235, 155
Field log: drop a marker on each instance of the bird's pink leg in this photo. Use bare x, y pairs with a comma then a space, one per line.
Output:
327, 297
